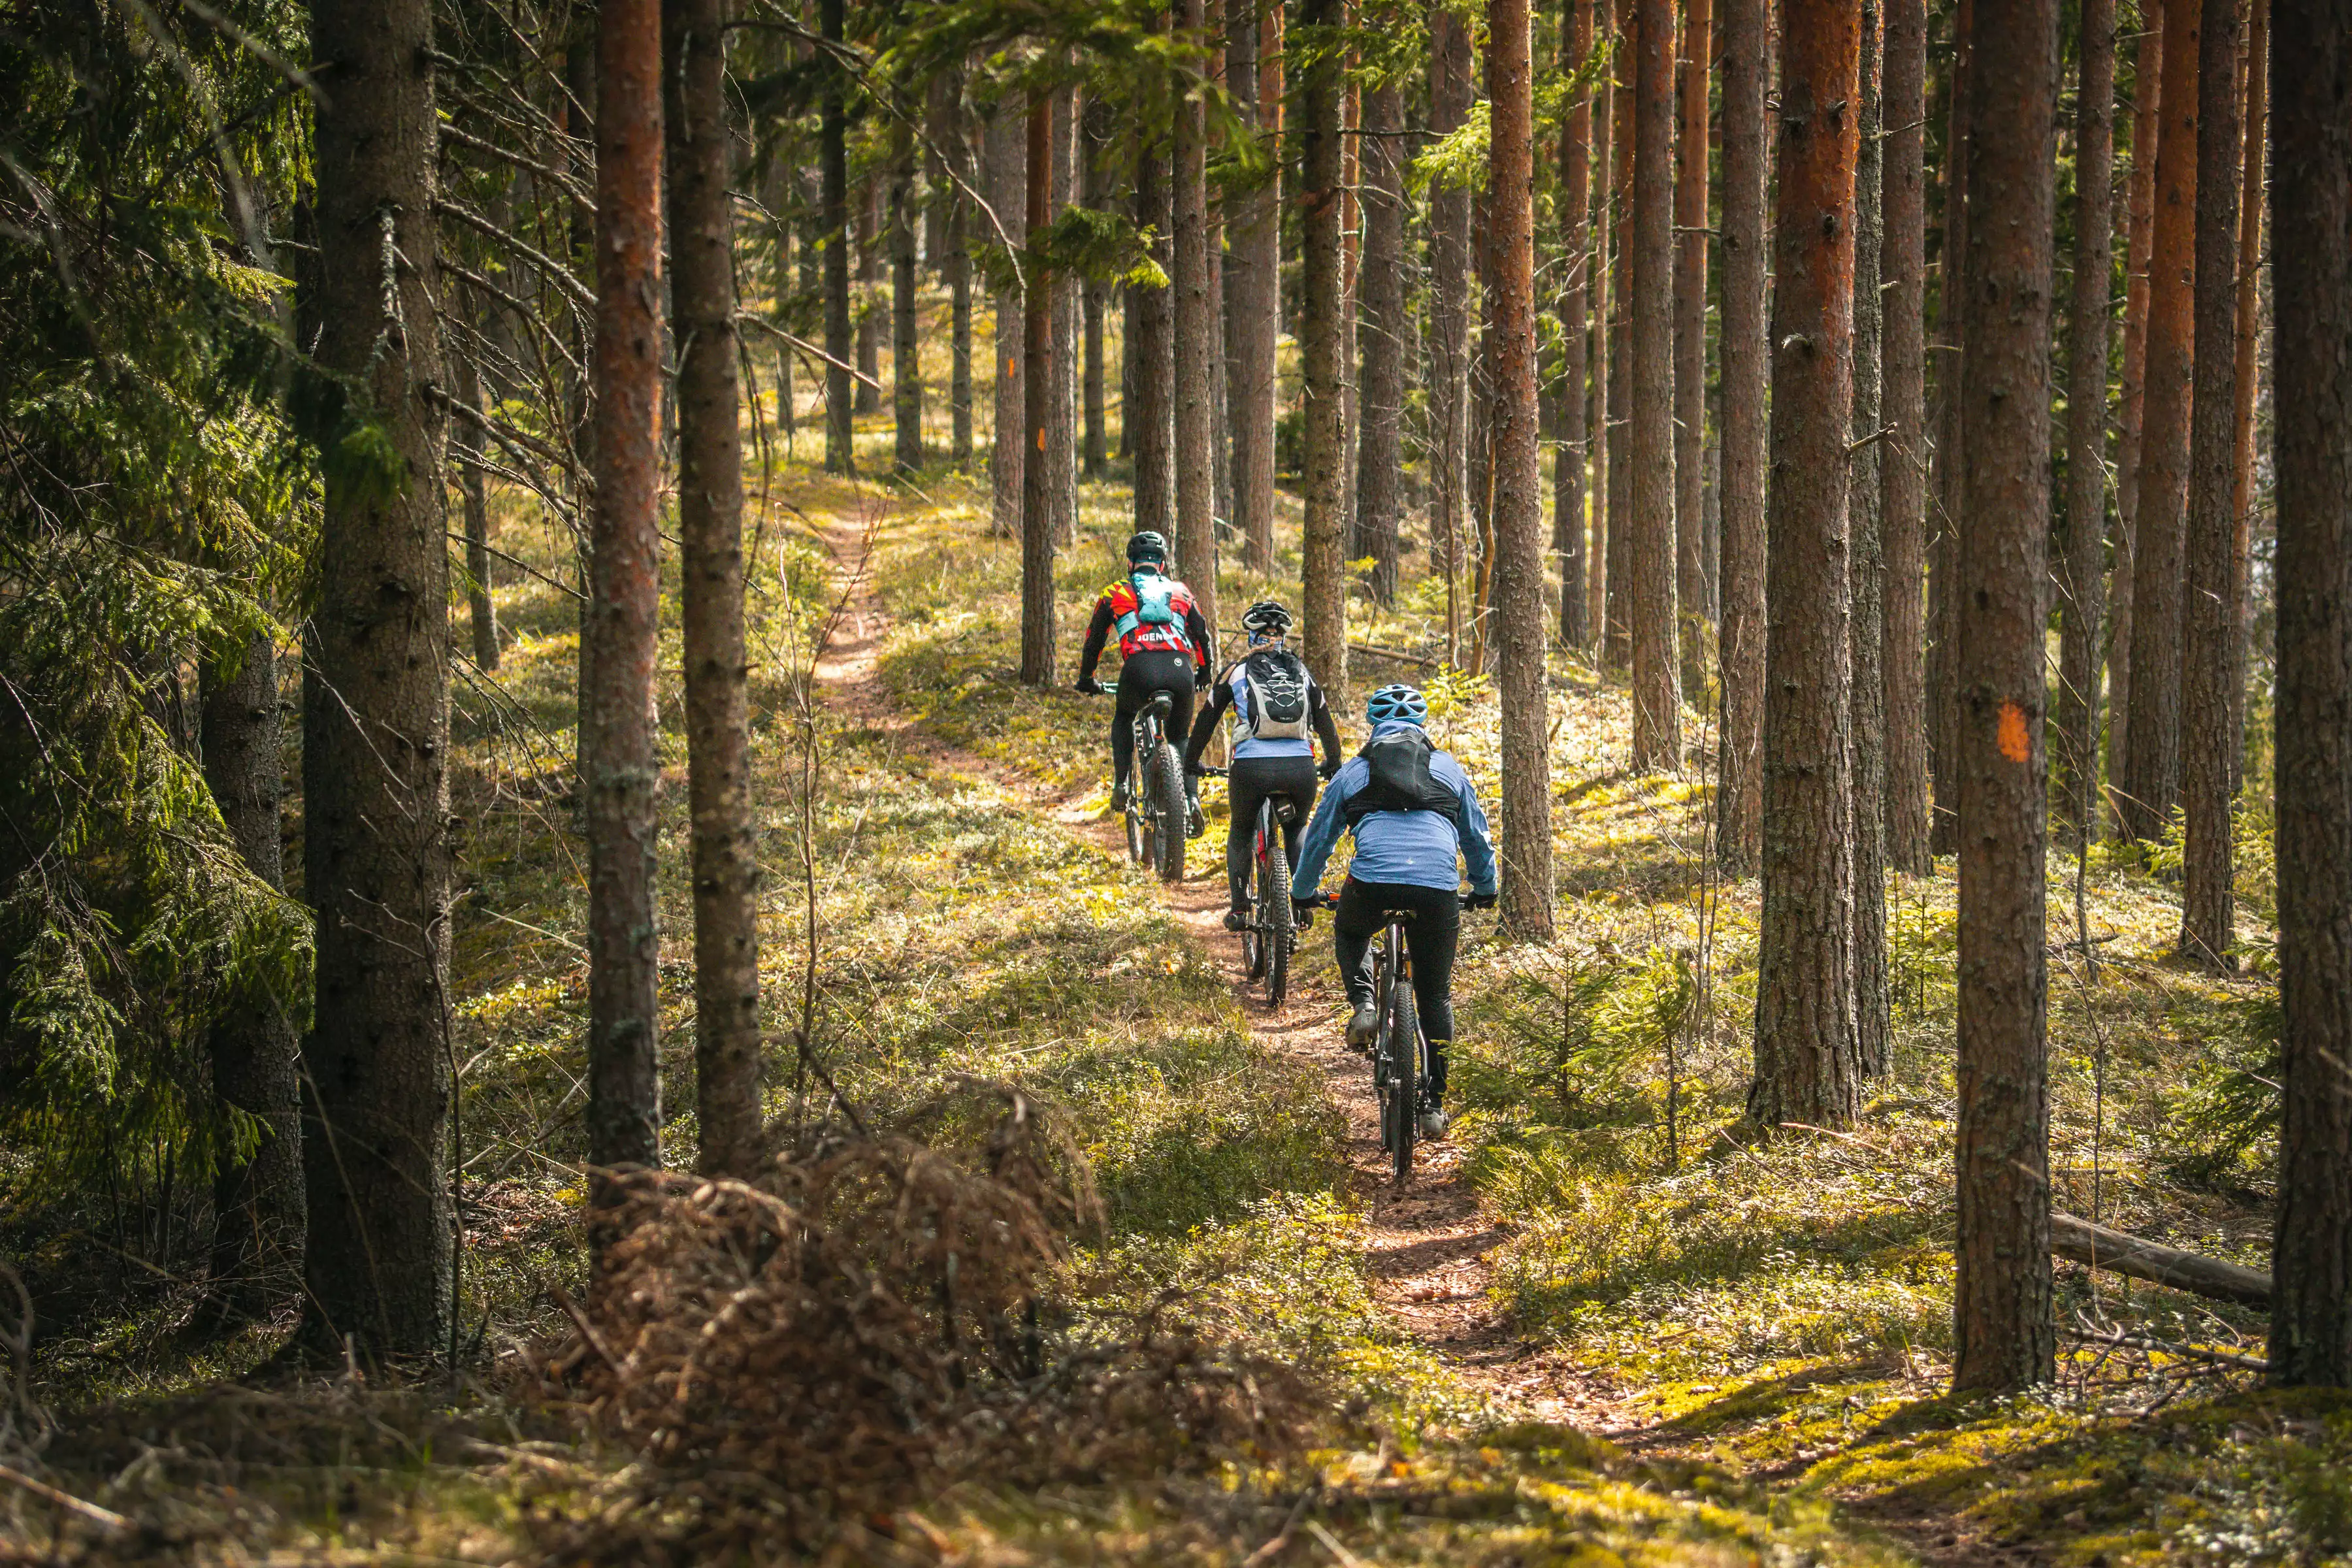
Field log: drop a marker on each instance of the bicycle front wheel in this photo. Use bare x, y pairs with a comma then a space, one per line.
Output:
1402, 1040
1168, 801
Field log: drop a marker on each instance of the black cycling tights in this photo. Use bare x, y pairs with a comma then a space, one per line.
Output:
1432, 917
1154, 669
1251, 779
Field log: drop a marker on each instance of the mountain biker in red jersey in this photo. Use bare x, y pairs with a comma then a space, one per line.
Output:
1163, 645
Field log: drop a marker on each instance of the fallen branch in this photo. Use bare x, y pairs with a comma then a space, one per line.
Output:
2080, 1241
105, 1518
2166, 1347
1398, 654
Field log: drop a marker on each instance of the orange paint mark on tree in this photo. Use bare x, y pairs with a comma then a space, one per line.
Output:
2014, 743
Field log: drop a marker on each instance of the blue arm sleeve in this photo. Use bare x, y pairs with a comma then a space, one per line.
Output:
1477, 848
1323, 831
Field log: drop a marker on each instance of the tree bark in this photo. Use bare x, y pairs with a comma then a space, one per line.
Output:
2081, 575
1944, 539
1351, 275
1195, 336
1902, 465
466, 436
2311, 190
1807, 1066
257, 1208
1062, 427
1008, 193
1324, 593
869, 287
1384, 324
906, 349
1526, 858
2148, 74
1602, 276
1650, 547
1037, 357
955, 264
1095, 452
1449, 322
2248, 377
833, 219
2003, 1333
375, 712
1155, 353
1617, 635
1695, 49
1872, 1024
729, 1115
1747, 67
2096, 1246
1576, 295
2151, 782
1253, 284
2208, 739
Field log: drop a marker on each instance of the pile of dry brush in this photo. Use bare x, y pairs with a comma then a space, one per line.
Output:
799, 1356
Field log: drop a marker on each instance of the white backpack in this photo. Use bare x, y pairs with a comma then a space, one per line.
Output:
1276, 682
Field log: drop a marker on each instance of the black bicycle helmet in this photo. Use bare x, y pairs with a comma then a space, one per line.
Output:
1149, 545
1267, 617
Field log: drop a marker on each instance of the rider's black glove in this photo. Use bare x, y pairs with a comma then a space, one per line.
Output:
1090, 685
1302, 911
1327, 770
1479, 902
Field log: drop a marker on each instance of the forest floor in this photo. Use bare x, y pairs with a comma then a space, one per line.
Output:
1595, 1329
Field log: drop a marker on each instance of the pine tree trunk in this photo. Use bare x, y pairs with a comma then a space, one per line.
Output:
1155, 354
1944, 533
1568, 528
620, 745
1603, 363
2081, 575
1747, 67
466, 436
1872, 1024
1617, 636
1449, 322
905, 350
1695, 51
2311, 190
1351, 265
833, 175
1380, 450
2147, 77
1062, 429
1650, 547
257, 1208
1252, 281
955, 266
1324, 624
1527, 859
1807, 1067
2005, 1337
1008, 193
728, 1112
1039, 368
1902, 465
376, 719
1195, 338
2248, 374
869, 291
2208, 739
2151, 781
1096, 452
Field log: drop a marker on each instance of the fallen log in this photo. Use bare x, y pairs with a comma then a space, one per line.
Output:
2080, 1241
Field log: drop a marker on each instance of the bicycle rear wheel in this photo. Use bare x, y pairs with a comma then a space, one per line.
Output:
1400, 1038
1168, 802
1280, 928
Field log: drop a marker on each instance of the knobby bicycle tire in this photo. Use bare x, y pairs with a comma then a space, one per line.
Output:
1168, 802
1280, 928
1402, 1038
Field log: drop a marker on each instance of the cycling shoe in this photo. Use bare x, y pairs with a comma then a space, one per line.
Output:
1434, 1122
1362, 1027
1118, 796
1195, 824
1237, 919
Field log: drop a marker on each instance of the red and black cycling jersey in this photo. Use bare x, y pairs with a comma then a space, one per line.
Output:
1120, 607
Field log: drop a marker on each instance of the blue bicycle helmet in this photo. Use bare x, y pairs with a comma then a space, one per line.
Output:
1149, 545
1397, 702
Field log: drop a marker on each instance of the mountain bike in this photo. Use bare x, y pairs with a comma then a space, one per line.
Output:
1400, 1050
1272, 934
1155, 797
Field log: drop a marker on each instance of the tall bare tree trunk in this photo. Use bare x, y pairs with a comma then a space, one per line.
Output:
1062, 428
1527, 865
2082, 575
1038, 354
1008, 193
1873, 1025
955, 266
620, 745
832, 220
1155, 353
1576, 295
1808, 1068
2311, 190
2249, 361
728, 1111
1692, 234
2147, 79
1324, 593
1617, 635
869, 289
465, 435
1902, 465
1449, 321
1093, 126
1382, 325
2003, 1333
2208, 739
1253, 283
1602, 276
2151, 781
1351, 273
1196, 337
1651, 550
1943, 537
906, 348
1747, 67
375, 714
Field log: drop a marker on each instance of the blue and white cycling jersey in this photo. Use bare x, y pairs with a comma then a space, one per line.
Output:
1418, 849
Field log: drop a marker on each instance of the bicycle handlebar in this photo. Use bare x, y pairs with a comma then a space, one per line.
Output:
1331, 901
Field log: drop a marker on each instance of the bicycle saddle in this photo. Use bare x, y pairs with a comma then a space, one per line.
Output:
1160, 703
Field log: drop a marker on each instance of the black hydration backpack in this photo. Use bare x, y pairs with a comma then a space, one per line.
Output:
1277, 681
1400, 779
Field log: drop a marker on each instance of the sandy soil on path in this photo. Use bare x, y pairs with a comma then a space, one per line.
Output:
1427, 1242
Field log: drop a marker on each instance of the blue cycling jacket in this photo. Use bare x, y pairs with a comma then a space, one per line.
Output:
1418, 849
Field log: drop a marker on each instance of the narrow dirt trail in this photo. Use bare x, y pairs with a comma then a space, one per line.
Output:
1426, 1244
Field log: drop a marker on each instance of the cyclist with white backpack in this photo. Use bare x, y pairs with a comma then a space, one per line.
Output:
1276, 704
1163, 645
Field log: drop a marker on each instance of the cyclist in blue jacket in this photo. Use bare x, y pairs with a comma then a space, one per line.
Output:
1414, 814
